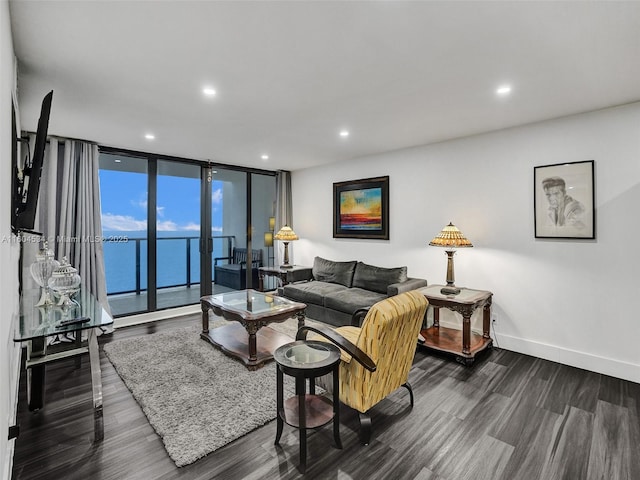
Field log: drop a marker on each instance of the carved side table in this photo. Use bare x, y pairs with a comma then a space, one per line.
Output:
464, 344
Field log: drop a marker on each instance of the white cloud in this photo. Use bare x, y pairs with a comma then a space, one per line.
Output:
167, 226
120, 223
191, 227
160, 211
216, 196
142, 204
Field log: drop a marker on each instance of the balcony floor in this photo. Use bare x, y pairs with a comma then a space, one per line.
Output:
130, 303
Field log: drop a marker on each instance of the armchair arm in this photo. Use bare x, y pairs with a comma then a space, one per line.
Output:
361, 357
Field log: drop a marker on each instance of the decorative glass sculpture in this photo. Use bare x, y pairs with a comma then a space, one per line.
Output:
65, 282
41, 271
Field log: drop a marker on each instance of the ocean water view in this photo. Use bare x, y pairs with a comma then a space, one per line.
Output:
178, 254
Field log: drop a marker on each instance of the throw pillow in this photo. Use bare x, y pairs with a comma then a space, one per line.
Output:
333, 272
377, 279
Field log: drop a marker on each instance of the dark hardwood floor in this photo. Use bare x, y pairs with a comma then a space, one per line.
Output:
510, 416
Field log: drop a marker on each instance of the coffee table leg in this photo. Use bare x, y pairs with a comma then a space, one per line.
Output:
301, 316
253, 345
279, 403
205, 317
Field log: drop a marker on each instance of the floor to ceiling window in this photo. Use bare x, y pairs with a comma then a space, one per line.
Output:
166, 221
177, 234
263, 208
228, 219
123, 191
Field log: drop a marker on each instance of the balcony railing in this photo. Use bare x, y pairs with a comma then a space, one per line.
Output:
178, 262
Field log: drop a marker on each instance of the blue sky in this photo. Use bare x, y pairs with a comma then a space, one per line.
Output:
124, 203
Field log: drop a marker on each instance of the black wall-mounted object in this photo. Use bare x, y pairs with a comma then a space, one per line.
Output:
14, 431
26, 178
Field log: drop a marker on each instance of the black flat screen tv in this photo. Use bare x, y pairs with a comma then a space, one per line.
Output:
27, 179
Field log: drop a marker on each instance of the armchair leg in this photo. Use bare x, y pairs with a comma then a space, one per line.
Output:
408, 387
365, 428
365, 419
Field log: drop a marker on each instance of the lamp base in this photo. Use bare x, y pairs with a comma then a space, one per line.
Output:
450, 290
286, 266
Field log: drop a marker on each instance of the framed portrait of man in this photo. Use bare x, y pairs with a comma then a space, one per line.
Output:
564, 200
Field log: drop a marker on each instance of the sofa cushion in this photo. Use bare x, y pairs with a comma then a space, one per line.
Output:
333, 272
351, 299
311, 292
377, 279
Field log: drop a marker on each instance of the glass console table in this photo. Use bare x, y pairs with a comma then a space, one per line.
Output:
37, 324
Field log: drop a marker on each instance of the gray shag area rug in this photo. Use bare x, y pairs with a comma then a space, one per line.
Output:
196, 398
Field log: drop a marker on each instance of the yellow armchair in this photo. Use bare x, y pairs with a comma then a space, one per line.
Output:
376, 358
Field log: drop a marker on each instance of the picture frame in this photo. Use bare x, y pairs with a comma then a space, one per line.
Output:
361, 208
564, 200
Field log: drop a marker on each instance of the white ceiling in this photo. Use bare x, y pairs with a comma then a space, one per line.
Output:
290, 75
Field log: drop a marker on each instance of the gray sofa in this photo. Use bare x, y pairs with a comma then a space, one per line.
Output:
337, 290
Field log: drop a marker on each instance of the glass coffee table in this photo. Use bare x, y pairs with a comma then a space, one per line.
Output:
250, 311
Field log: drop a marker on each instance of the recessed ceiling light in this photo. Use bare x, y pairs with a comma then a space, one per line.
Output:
117, 160
344, 133
264, 157
503, 90
209, 91
150, 136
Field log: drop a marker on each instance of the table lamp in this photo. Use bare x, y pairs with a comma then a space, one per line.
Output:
450, 237
286, 235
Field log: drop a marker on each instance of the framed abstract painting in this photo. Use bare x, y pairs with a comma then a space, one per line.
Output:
563, 200
361, 208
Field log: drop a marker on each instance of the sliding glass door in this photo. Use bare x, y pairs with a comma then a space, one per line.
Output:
124, 184
228, 220
233, 192
263, 207
168, 223
177, 234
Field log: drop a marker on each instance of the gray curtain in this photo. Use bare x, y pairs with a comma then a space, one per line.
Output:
284, 213
69, 211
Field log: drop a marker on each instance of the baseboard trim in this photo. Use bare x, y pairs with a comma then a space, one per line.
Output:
586, 361
142, 318
606, 366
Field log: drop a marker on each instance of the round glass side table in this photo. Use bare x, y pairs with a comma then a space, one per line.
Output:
307, 359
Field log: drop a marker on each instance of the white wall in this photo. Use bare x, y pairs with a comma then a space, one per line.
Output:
9, 251
569, 301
